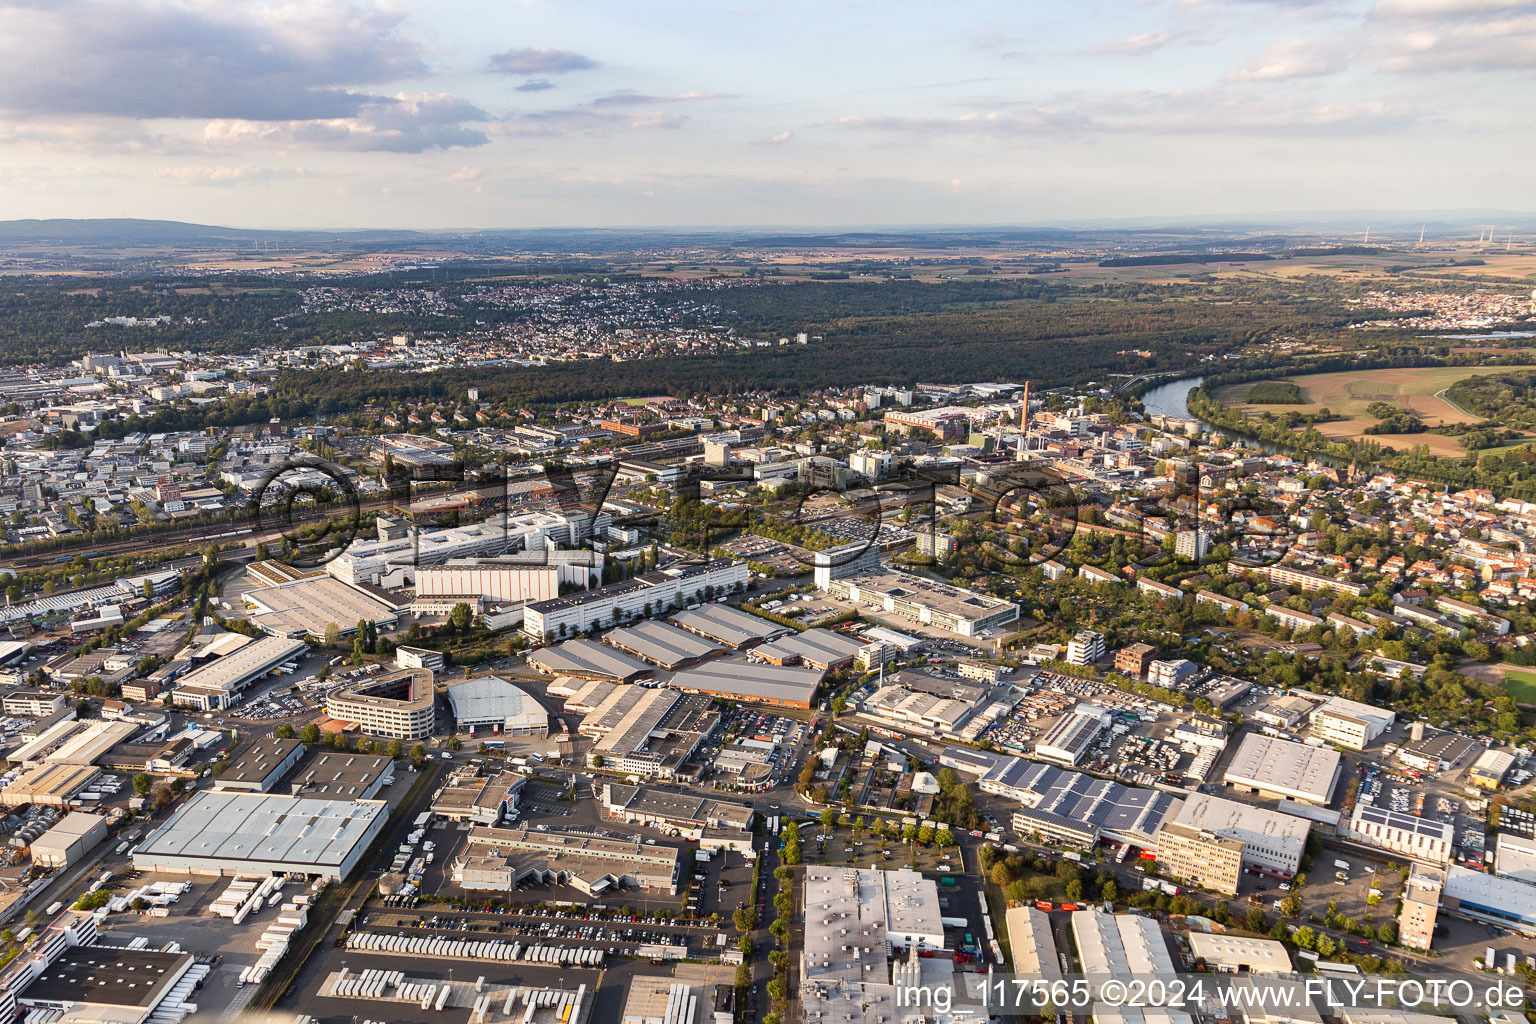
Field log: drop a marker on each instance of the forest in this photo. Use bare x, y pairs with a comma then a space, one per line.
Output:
1508, 398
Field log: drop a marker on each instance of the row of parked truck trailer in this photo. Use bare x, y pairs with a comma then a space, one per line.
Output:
477, 949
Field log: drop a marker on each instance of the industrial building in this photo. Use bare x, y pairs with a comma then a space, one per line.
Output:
224, 833
943, 605
1505, 902
309, 607
502, 580
687, 814
642, 596
854, 921
1119, 946
398, 704
1071, 735
728, 626
1210, 841
49, 785
399, 551
88, 982
1422, 839
1031, 943
661, 644
815, 648
257, 767
342, 775
1240, 953
1074, 808
752, 682
69, 841
649, 732
588, 659
1281, 768
1347, 723
483, 800
1490, 769
233, 672
498, 859
494, 703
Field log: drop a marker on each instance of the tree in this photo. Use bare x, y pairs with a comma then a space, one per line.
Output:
745, 919
418, 754
1110, 891
394, 748
149, 590
454, 743
828, 817
461, 616
332, 634
284, 732
310, 733
943, 836
143, 783
1075, 889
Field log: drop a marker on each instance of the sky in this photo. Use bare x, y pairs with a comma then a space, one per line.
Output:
541, 113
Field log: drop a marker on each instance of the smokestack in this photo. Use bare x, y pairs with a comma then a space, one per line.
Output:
1024, 410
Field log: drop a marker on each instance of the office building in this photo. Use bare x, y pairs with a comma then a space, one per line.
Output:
398, 704
1085, 647
943, 605
643, 596
1135, 659
1421, 905
1211, 841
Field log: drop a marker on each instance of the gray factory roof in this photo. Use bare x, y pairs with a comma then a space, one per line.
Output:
492, 699
1280, 766
730, 626
235, 827
232, 671
658, 642
750, 680
588, 658
1407, 822
814, 646
107, 975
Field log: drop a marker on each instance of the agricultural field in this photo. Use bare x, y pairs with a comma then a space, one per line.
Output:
1348, 394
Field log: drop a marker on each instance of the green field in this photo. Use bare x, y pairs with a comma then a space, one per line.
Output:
1521, 685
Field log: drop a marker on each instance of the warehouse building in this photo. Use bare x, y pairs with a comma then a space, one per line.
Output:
308, 608
729, 626
339, 775
1490, 769
1505, 902
855, 920
258, 767
399, 704
499, 859
588, 659
1275, 767
815, 648
646, 595
653, 734
1074, 808
233, 672
1031, 943
916, 712
1422, 839
502, 581
735, 679
1211, 841
69, 841
223, 833
91, 742
92, 983
1347, 723
49, 785
491, 702
686, 814
661, 644
1244, 954
943, 605
1070, 736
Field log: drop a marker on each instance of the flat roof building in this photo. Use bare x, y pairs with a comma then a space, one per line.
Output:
1071, 807
258, 766
1422, 839
222, 833
103, 983
235, 671
931, 602
307, 608
49, 785
484, 800
686, 813
1276, 767
342, 775
816, 648
1071, 735
497, 859
1240, 953
69, 841
1197, 845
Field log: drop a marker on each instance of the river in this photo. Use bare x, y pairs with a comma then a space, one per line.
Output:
1172, 398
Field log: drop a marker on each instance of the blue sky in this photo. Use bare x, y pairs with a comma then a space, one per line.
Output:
547, 113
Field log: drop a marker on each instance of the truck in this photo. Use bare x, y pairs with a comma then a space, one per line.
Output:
1073, 856
1170, 888
1149, 884
1341, 864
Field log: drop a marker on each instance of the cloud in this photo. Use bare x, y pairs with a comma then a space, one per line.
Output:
227, 176
1497, 44
1447, 8
630, 98
774, 140
540, 60
1145, 42
400, 124
536, 85
1293, 58
567, 121
181, 59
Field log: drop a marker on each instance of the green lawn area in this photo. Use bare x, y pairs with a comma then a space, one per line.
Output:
1521, 685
